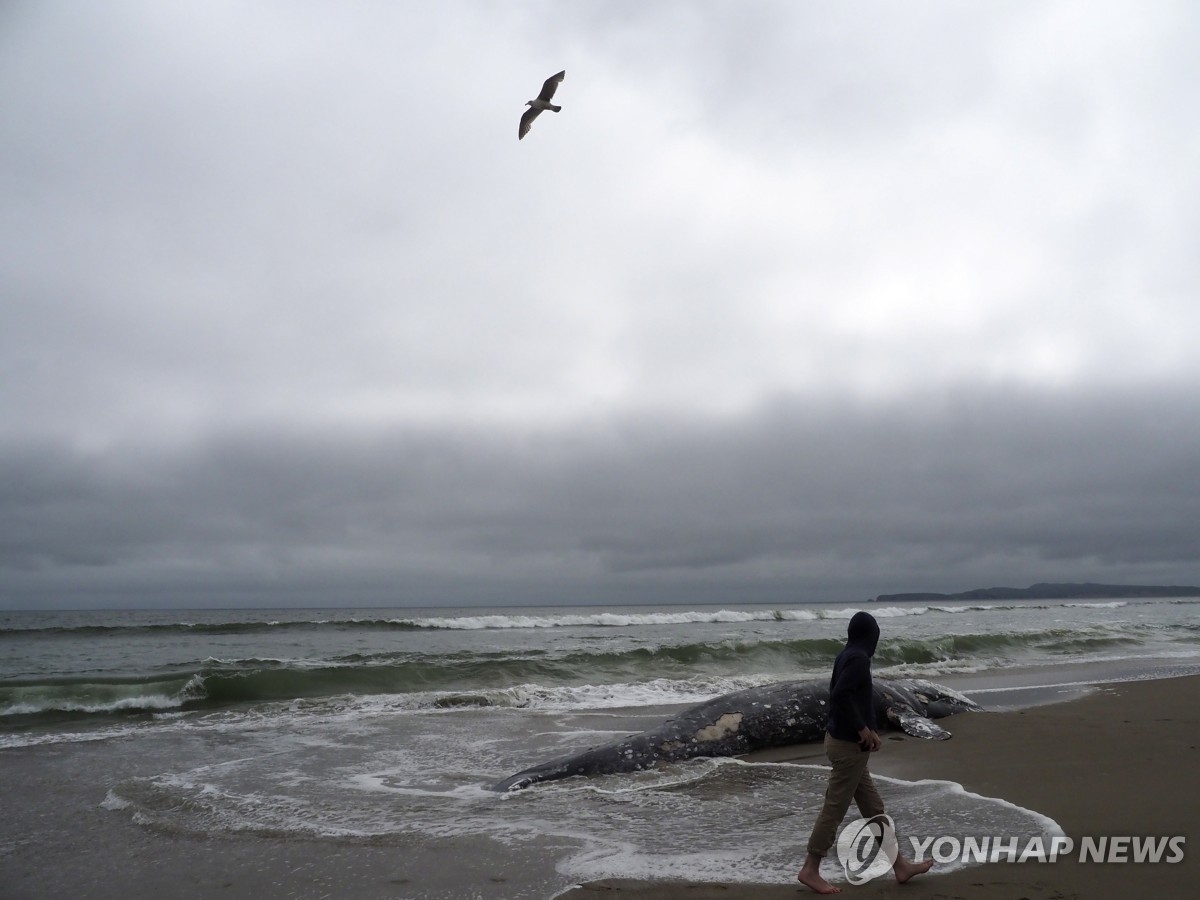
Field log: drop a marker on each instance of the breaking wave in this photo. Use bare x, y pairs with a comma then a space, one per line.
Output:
508, 621
539, 676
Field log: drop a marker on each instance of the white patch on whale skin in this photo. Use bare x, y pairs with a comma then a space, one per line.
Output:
726, 725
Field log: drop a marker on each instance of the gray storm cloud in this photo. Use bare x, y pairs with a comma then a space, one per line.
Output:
792, 502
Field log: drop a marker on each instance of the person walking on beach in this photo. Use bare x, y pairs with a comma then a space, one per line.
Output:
850, 738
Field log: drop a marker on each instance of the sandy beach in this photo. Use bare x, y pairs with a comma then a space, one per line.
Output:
1120, 761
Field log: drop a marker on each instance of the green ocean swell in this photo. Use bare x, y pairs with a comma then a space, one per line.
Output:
468, 675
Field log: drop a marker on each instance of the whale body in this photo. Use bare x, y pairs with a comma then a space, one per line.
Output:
773, 715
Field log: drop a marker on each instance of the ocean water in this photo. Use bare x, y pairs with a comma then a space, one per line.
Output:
385, 728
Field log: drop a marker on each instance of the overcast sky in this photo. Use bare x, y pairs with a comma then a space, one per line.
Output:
791, 302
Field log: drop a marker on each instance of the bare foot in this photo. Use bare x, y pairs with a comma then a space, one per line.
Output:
904, 870
811, 878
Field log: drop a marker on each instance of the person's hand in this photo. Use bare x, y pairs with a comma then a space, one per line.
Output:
869, 739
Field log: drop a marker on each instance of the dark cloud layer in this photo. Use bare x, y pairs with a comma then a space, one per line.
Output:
793, 502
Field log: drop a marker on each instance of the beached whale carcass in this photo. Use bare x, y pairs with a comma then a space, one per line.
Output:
774, 715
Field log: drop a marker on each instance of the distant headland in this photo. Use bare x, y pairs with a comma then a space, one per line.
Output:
1044, 591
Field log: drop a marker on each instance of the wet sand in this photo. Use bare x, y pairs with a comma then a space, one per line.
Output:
1121, 761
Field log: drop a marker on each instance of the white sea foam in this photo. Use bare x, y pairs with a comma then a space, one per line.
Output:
1002, 810
754, 839
289, 661
114, 802
693, 617
881, 612
138, 702
532, 696
609, 620
632, 620
967, 608
41, 739
387, 783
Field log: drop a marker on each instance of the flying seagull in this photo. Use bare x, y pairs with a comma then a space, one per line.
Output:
542, 102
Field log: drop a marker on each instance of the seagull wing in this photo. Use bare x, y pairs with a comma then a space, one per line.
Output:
527, 121
551, 85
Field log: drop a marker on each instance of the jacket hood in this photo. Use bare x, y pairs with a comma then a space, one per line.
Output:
863, 632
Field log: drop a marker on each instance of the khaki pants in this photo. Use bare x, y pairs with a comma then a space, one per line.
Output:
848, 780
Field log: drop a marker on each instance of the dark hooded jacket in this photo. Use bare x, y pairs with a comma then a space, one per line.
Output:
851, 701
